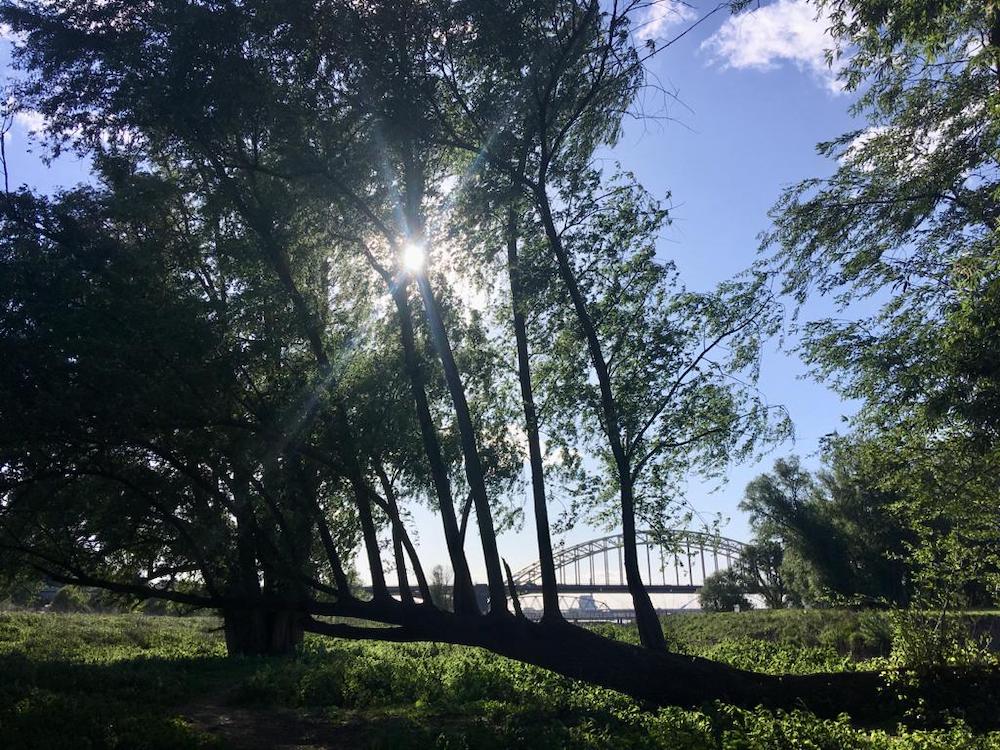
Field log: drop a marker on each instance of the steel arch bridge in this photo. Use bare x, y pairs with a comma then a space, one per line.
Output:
676, 562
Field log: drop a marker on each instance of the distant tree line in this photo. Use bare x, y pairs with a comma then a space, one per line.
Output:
833, 537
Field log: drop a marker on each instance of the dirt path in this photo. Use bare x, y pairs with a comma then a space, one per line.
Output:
271, 728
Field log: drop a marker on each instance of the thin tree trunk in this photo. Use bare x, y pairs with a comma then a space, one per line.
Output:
465, 598
418, 571
473, 466
392, 510
550, 592
397, 545
405, 595
648, 624
464, 521
360, 488
514, 598
414, 181
332, 556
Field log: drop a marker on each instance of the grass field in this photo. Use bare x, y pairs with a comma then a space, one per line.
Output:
124, 681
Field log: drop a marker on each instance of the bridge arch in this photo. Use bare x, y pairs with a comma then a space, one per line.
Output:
676, 561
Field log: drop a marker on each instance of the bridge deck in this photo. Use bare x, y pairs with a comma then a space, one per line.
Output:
596, 615
582, 588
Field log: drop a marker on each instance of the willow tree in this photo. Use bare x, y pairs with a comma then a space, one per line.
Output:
331, 152
160, 407
908, 222
534, 101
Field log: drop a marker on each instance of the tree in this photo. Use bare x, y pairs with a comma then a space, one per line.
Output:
724, 592
260, 283
160, 403
760, 572
837, 535
641, 350
441, 588
909, 222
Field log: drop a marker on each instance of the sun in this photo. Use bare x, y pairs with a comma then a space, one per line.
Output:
414, 257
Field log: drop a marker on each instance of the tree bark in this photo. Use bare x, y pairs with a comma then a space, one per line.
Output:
330, 548
402, 579
258, 632
413, 230
657, 678
418, 570
397, 532
252, 629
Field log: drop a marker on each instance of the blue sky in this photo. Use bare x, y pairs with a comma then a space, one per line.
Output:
753, 97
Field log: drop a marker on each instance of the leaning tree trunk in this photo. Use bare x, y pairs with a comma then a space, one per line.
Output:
550, 593
646, 620
474, 471
465, 598
400, 535
658, 678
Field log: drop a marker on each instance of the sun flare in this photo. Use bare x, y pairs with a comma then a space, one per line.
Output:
414, 256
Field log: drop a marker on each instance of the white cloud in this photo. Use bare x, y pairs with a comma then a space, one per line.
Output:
912, 148
784, 31
662, 16
30, 121
7, 34
855, 148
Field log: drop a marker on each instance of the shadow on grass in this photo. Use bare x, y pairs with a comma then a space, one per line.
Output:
129, 703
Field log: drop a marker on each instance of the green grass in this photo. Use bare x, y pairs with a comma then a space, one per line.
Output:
117, 681
860, 635
90, 681
857, 634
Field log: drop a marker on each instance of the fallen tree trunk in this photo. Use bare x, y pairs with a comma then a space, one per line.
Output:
655, 678
658, 678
